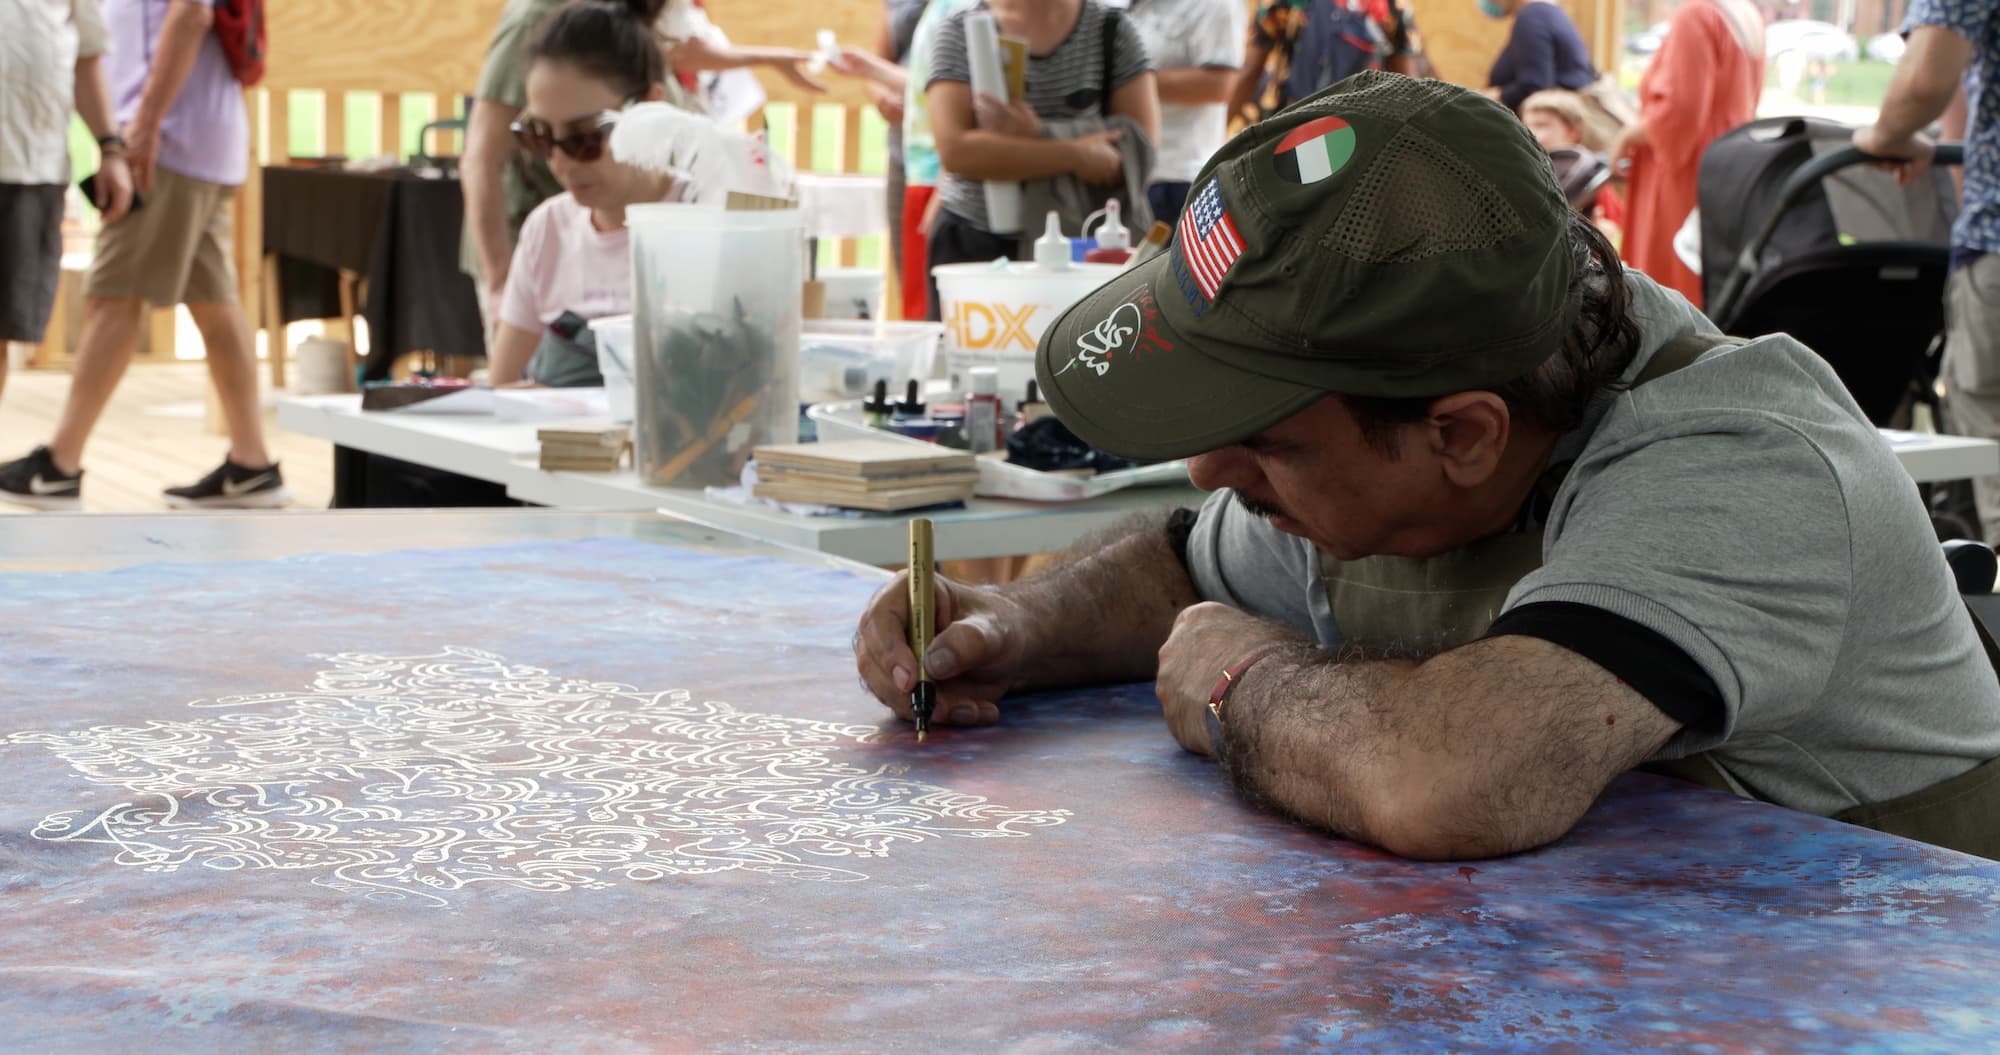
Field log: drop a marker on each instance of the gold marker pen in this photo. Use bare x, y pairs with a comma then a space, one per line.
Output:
923, 695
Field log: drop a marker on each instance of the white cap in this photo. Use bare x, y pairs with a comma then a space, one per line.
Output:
985, 380
1112, 233
1052, 249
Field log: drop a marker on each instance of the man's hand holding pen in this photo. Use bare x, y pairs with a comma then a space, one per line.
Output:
974, 657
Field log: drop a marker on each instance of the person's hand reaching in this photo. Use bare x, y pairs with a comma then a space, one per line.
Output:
792, 68
1630, 139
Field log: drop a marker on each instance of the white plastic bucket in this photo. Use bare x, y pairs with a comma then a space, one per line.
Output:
993, 316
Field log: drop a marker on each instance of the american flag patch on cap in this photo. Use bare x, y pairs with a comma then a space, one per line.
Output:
1209, 240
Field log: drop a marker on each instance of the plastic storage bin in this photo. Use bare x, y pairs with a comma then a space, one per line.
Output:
614, 361
715, 327
843, 360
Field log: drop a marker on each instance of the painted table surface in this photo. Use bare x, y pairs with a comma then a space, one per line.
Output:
608, 795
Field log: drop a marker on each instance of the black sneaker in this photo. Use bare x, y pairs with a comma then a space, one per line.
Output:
35, 481
231, 486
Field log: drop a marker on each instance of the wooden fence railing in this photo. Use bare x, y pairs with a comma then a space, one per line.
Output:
370, 58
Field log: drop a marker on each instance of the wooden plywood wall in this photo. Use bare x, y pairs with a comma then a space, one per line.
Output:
380, 45
793, 24
388, 47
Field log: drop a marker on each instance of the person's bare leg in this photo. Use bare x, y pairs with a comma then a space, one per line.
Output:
232, 365
103, 351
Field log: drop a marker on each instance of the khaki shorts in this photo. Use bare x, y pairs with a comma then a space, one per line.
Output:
176, 250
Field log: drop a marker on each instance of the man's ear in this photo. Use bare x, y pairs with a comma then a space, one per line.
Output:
1468, 434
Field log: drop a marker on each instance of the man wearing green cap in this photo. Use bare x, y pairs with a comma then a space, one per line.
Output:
1493, 520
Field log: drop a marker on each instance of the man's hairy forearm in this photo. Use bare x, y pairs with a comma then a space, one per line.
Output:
180, 41
1492, 748
1102, 614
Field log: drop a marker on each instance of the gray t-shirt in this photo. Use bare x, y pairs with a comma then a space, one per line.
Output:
1744, 509
1063, 85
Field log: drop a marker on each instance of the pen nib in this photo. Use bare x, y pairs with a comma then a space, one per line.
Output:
920, 736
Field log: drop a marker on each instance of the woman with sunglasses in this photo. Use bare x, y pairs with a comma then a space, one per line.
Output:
586, 62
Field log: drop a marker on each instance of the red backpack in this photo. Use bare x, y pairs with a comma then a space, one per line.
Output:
239, 25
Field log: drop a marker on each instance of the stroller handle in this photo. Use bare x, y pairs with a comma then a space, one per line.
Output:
1807, 177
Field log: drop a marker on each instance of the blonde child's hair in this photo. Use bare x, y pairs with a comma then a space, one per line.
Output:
1562, 105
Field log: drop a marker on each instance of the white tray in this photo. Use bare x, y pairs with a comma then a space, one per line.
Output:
1000, 479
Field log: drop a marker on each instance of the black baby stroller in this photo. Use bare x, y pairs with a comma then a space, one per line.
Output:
1799, 236
1581, 174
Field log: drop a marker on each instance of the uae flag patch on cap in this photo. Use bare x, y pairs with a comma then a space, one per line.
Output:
1315, 150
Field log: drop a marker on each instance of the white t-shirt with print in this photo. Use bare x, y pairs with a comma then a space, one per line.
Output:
1182, 34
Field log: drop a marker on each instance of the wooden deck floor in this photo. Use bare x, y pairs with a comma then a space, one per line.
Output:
152, 436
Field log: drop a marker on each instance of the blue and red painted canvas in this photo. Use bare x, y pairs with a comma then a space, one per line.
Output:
611, 797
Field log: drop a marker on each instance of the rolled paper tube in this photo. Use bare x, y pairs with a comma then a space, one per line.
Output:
982, 55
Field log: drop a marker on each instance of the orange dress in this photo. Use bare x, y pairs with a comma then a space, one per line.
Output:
1702, 83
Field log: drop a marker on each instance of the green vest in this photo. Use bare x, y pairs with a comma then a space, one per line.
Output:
1440, 602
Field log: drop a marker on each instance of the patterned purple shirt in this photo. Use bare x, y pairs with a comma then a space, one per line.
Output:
206, 134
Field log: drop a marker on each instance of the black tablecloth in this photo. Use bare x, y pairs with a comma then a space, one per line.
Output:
400, 230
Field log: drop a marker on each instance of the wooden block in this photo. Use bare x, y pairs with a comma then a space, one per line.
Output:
610, 437
741, 201
879, 501
863, 484
863, 458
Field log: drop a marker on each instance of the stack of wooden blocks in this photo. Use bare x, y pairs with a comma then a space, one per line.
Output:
864, 474
584, 449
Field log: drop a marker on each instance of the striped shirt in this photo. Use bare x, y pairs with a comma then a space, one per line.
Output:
1064, 84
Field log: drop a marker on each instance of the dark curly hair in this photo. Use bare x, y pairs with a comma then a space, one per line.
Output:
1593, 357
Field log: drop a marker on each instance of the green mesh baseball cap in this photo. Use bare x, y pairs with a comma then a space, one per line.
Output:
1385, 237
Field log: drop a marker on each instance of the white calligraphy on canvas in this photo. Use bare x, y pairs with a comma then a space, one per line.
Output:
422, 776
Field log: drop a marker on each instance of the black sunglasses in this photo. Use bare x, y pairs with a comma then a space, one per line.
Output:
539, 138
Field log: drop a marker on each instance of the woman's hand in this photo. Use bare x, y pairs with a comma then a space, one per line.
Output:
1625, 147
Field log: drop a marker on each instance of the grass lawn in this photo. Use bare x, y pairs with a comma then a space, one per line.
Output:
1862, 83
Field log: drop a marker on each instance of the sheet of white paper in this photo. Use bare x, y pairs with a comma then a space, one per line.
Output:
732, 95
550, 404
464, 401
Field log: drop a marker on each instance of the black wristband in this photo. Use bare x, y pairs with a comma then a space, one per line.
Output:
108, 143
